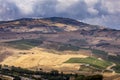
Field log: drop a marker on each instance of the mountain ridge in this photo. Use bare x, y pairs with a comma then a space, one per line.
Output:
45, 25
61, 31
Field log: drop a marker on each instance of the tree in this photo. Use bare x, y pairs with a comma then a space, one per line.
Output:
54, 72
0, 66
17, 78
80, 77
94, 77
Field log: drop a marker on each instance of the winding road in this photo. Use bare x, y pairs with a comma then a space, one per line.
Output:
110, 68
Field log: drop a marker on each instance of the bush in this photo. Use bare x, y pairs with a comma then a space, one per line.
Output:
17, 78
117, 68
80, 77
94, 77
115, 59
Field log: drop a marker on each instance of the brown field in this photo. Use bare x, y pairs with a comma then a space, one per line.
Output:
48, 60
41, 58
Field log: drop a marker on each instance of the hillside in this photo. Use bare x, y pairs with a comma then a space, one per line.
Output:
52, 43
45, 25
61, 31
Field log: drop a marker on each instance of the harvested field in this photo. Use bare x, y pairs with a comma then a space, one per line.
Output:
40, 58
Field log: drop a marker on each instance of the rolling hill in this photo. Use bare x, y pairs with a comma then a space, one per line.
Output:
53, 41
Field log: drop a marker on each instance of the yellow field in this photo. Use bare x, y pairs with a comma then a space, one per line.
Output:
48, 60
41, 58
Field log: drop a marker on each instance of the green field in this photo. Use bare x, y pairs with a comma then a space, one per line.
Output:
102, 64
95, 51
25, 44
64, 47
79, 41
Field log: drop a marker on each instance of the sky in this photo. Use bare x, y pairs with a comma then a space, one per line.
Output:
98, 12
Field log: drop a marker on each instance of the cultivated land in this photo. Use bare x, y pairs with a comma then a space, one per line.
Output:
40, 58
60, 43
95, 62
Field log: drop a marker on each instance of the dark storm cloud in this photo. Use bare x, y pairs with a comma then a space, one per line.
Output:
101, 12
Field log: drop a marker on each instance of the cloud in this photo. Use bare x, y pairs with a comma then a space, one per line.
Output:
91, 6
25, 6
63, 5
8, 10
100, 12
111, 6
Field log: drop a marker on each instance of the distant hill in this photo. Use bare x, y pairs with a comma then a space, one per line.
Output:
62, 31
53, 24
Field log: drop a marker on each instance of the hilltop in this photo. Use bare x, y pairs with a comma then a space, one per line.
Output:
62, 31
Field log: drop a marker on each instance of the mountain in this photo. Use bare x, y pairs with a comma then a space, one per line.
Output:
62, 30
45, 25
52, 41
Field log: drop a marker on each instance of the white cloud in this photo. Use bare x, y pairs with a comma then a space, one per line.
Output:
91, 6
91, 3
62, 5
112, 6
102, 12
92, 11
25, 6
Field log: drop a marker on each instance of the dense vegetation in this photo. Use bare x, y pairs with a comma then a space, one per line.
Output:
17, 73
94, 77
81, 42
25, 43
91, 61
99, 52
117, 68
116, 60
68, 47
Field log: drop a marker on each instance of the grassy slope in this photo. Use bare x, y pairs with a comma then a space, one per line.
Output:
92, 61
25, 44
